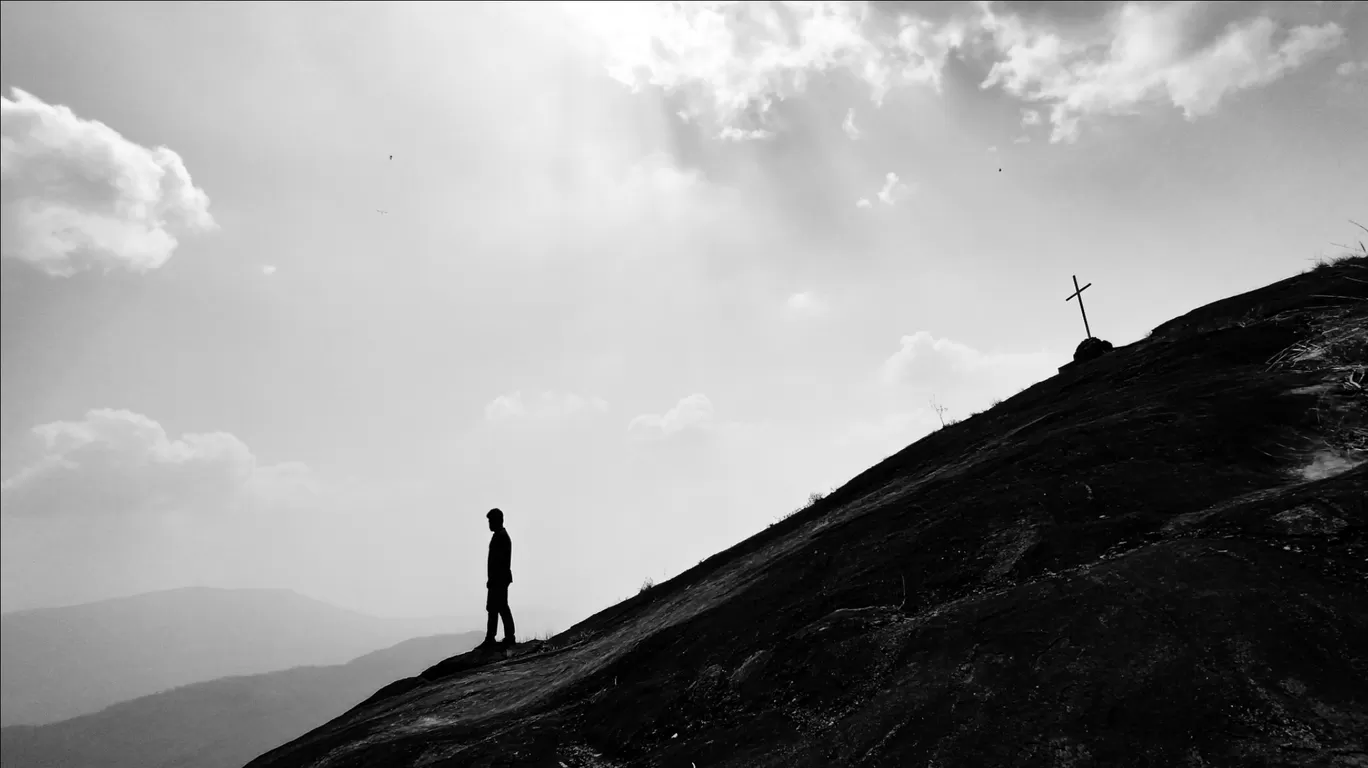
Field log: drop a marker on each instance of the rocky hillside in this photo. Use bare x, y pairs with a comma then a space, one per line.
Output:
1154, 558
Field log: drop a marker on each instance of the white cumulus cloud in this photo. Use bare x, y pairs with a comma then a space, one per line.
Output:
927, 373
890, 431
730, 133
849, 125
1351, 68
731, 61
691, 411
806, 303
925, 357
547, 406
116, 462
1146, 52
1246, 57
892, 190
78, 195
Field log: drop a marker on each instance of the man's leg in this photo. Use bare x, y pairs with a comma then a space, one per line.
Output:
498, 602
507, 614
493, 610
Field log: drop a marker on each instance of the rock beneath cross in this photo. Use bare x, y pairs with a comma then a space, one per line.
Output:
1090, 348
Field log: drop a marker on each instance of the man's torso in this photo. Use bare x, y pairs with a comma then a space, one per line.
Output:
500, 558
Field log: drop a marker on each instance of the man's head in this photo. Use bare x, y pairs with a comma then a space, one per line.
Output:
495, 516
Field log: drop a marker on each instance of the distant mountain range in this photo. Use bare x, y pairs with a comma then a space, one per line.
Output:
59, 663
221, 723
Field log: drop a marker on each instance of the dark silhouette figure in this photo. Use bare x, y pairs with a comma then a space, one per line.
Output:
500, 574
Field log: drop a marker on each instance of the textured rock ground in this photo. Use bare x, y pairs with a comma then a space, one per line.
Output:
1156, 558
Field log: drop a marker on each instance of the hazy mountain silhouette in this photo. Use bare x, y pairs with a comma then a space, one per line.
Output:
1157, 557
222, 723
58, 663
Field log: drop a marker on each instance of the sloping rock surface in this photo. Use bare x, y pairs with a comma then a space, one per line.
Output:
1156, 559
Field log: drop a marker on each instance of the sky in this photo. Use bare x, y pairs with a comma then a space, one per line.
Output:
294, 292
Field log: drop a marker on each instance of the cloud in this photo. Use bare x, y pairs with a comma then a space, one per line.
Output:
1245, 58
849, 125
892, 189
692, 411
730, 62
955, 376
890, 431
992, 149
1145, 52
548, 406
806, 303
117, 462
268, 270
1351, 68
737, 134
1031, 117
924, 358
1022, 139
890, 193
77, 195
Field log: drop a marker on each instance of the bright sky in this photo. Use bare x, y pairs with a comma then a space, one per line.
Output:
644, 278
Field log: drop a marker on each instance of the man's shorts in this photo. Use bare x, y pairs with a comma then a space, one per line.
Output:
498, 598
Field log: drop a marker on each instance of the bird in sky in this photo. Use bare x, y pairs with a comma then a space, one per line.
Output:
377, 210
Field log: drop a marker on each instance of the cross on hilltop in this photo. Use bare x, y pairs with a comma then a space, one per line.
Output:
1078, 294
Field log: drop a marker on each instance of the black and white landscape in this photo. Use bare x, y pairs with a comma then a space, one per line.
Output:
969, 383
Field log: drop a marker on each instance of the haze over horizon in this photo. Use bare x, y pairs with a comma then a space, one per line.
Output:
174, 591
641, 277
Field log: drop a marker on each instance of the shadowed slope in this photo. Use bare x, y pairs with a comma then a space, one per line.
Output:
1121, 565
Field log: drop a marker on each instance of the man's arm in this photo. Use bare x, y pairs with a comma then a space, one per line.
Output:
506, 557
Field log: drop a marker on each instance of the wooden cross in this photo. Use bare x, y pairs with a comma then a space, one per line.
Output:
1078, 293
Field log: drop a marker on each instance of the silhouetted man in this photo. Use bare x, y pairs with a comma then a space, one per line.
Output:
500, 576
